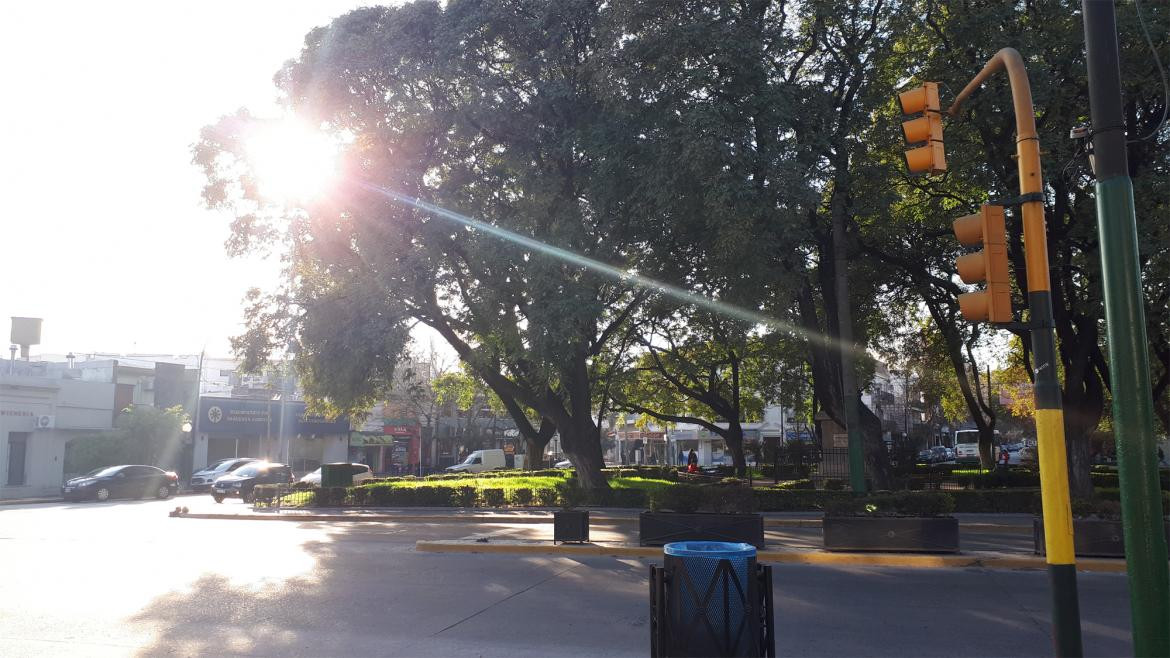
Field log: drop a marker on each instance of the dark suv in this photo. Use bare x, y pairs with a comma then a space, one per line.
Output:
240, 482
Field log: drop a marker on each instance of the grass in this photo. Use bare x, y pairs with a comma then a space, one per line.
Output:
507, 483
526, 482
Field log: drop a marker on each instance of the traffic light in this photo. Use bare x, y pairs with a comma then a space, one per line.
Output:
994, 304
927, 130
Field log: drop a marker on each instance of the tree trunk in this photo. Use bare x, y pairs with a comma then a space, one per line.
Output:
986, 449
585, 454
734, 440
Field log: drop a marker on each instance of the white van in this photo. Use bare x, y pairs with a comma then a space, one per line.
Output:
479, 461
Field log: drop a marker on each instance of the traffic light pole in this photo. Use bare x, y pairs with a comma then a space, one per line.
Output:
1125, 325
1058, 530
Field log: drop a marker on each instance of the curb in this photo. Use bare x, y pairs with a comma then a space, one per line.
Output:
30, 501
985, 560
486, 518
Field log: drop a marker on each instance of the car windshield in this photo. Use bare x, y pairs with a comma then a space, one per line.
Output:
473, 458
219, 465
249, 470
104, 471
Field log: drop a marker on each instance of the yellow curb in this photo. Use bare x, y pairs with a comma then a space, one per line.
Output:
986, 561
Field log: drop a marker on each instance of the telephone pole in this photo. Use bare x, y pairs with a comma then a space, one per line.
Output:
1125, 325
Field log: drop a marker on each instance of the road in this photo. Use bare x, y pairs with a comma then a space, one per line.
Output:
121, 578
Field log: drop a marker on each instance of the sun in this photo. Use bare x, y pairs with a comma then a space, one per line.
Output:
292, 161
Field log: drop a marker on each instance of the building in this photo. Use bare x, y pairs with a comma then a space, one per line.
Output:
276, 430
41, 410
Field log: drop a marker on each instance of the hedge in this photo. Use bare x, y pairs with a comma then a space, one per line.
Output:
679, 497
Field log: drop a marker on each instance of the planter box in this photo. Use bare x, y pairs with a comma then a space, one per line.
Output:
660, 528
1091, 537
571, 525
899, 534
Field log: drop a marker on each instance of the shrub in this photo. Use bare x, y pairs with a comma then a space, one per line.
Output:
330, 496
684, 498
464, 496
521, 497
546, 497
493, 497
570, 494
780, 500
1107, 510
896, 504
620, 498
1004, 501
797, 484
731, 500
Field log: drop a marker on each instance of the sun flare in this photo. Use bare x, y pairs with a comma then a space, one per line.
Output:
292, 161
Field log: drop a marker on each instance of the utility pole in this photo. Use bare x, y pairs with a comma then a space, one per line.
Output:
1125, 326
1058, 529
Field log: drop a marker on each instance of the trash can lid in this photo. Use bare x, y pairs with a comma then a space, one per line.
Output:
709, 549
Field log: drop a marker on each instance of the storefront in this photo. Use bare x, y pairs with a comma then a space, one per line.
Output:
394, 451
268, 429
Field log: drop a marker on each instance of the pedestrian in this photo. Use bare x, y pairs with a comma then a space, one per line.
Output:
1004, 457
692, 462
682, 458
1161, 457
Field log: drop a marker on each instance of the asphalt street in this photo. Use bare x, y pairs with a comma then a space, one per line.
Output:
121, 578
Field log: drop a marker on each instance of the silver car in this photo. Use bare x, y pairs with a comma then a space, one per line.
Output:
201, 481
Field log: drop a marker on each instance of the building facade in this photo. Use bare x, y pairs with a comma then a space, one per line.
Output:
267, 429
40, 412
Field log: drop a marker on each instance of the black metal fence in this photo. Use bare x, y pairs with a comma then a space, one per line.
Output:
274, 497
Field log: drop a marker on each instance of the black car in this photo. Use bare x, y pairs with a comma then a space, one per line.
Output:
240, 482
126, 481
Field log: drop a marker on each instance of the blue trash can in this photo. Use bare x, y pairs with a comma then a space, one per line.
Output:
708, 601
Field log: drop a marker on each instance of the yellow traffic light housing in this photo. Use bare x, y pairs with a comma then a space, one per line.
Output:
994, 304
926, 130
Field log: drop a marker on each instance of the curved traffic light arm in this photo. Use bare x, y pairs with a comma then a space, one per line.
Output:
1058, 529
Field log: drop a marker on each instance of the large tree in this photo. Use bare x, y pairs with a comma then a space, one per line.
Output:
497, 113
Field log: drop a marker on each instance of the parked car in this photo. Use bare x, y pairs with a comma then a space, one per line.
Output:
966, 452
926, 456
241, 482
361, 473
1027, 455
479, 461
202, 480
126, 481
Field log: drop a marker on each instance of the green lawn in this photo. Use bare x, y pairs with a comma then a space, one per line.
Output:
522, 482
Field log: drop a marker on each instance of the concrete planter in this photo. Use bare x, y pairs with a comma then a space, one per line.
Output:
660, 528
897, 534
1091, 537
571, 525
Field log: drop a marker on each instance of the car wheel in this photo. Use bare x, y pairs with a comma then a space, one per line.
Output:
218, 499
163, 492
248, 498
102, 494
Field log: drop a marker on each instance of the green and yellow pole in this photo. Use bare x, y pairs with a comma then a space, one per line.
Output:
1058, 529
1125, 325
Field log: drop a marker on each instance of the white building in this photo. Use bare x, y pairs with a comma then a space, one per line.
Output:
41, 410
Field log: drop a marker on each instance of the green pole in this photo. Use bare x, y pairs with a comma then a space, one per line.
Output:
1125, 325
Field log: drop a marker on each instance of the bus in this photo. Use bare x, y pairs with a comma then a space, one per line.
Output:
967, 445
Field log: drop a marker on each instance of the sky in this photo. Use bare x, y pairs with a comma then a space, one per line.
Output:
103, 233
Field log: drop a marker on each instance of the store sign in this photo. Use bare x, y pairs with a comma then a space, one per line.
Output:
236, 417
